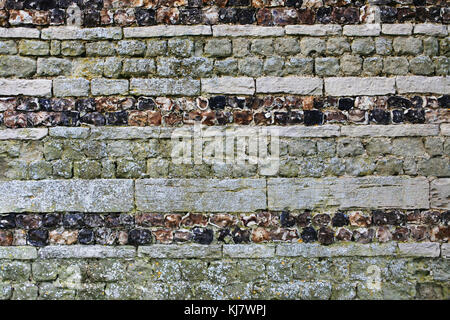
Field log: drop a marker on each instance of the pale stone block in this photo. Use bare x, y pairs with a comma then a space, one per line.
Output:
19, 33
246, 31
229, 85
429, 29
108, 87
404, 130
69, 132
200, 195
163, 251
166, 31
445, 250
66, 195
397, 29
440, 193
314, 250
292, 85
124, 133
75, 33
15, 87
422, 249
314, 30
328, 130
23, 134
86, 252
355, 86
70, 87
445, 129
362, 30
164, 86
247, 251
18, 253
421, 84
344, 193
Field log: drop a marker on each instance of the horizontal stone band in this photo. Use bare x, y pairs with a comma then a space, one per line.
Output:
342, 86
226, 195
246, 251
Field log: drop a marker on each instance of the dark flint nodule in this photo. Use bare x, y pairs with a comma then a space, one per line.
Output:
28, 221
51, 220
388, 14
309, 234
45, 104
415, 115
57, 16
86, 105
145, 17
324, 15
190, 16
397, 116
340, 219
40, 4
380, 116
240, 235
7, 221
246, 15
217, 102
146, 104
287, 220
294, 3
227, 15
304, 219
117, 118
139, 237
73, 220
223, 235
95, 118
203, 235
295, 117
313, 117
326, 236
346, 104
91, 18
444, 101
37, 237
86, 236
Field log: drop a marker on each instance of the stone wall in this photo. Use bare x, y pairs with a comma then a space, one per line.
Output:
350, 99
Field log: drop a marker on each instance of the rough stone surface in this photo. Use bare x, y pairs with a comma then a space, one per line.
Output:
372, 192
228, 85
25, 87
292, 85
352, 86
64, 195
200, 195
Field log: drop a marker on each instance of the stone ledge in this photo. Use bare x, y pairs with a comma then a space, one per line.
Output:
70, 87
397, 29
166, 31
371, 192
314, 30
18, 253
161, 251
109, 87
246, 30
101, 195
327, 130
290, 84
407, 130
421, 249
86, 252
246, 251
15, 87
124, 133
431, 29
75, 33
312, 250
362, 30
228, 85
69, 132
421, 84
20, 32
23, 134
